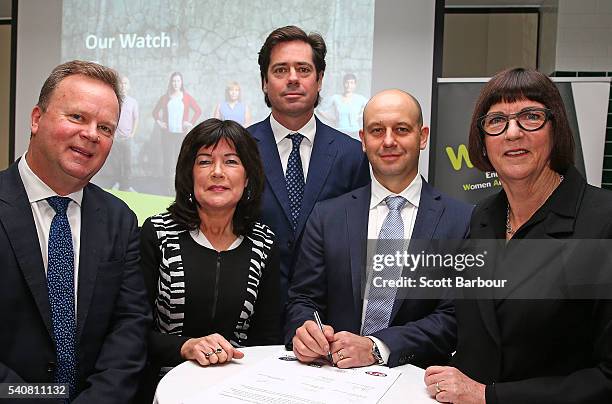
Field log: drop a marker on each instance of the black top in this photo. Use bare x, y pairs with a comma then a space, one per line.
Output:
215, 292
549, 350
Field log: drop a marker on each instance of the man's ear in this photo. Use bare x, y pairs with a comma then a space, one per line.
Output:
361, 136
424, 137
35, 119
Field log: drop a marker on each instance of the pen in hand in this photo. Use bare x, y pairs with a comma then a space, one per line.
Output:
320, 325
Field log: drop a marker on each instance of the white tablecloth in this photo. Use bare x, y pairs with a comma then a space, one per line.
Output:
189, 378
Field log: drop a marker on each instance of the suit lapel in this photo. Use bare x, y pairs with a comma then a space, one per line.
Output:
357, 214
16, 218
324, 152
93, 216
428, 216
272, 165
429, 213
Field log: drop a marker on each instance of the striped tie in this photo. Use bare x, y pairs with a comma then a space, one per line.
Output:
390, 241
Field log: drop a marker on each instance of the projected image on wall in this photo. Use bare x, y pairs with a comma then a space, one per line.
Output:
185, 61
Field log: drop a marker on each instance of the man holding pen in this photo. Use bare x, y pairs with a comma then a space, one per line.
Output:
375, 326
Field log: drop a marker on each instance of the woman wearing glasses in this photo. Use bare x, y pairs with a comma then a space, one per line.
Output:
513, 350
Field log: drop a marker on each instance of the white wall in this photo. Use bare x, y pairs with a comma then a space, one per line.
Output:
405, 61
44, 15
548, 36
584, 35
590, 100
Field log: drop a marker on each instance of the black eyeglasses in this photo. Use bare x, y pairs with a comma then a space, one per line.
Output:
529, 119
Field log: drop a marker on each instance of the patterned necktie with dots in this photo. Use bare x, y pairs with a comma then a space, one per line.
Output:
60, 284
390, 241
295, 178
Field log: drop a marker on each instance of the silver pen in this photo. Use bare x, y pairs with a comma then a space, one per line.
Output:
320, 325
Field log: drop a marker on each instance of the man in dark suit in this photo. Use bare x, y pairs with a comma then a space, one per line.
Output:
378, 326
72, 298
305, 161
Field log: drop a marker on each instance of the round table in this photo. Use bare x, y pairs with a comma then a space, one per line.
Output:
190, 378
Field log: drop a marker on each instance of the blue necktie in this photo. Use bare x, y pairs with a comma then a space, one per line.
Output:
60, 284
295, 179
390, 241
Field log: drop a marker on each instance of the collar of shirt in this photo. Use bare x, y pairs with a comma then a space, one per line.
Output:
36, 189
42, 213
412, 192
280, 132
202, 240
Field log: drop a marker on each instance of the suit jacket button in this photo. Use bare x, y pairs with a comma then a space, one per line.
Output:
50, 367
290, 244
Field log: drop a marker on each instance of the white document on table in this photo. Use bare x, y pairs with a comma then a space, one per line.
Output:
281, 379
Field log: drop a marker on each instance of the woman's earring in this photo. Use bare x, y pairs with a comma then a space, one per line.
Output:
484, 152
248, 193
190, 198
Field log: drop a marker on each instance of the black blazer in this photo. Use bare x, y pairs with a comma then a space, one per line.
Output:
332, 262
541, 351
112, 312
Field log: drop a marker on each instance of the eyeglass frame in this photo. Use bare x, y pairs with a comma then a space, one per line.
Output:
547, 115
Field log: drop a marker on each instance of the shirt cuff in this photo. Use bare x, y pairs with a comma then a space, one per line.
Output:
384, 350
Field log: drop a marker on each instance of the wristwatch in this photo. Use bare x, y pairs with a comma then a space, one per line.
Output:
378, 360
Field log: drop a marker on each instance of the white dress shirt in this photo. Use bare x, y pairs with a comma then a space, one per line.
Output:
43, 213
377, 214
285, 145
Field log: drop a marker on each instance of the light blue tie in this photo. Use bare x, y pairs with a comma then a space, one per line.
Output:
60, 284
390, 241
295, 179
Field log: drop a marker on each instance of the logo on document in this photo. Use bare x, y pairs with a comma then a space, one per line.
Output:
379, 374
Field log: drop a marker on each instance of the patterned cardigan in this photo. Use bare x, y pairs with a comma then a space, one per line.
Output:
170, 301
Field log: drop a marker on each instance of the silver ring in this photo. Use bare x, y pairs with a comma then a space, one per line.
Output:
340, 355
209, 354
218, 350
438, 389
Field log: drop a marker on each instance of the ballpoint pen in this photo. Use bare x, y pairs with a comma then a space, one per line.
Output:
320, 324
